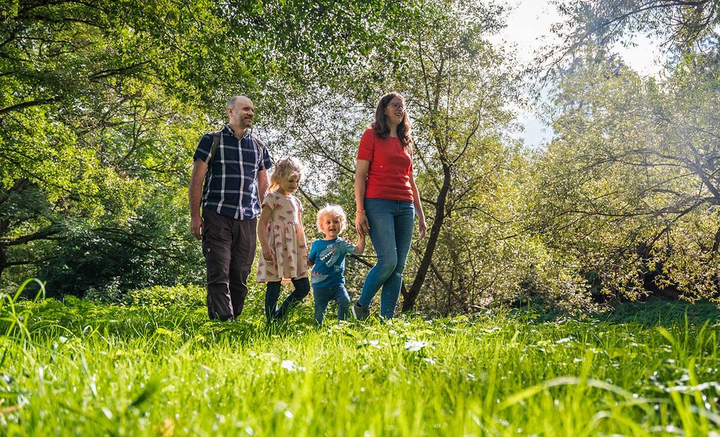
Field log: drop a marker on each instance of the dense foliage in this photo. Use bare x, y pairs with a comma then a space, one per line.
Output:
627, 191
629, 187
102, 103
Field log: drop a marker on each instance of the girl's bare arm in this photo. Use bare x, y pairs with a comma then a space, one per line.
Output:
267, 250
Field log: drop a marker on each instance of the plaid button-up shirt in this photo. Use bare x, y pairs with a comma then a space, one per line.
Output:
230, 187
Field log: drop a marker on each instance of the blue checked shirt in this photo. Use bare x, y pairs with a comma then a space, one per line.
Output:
231, 182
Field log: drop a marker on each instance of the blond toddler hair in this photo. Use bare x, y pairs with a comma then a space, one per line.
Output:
335, 211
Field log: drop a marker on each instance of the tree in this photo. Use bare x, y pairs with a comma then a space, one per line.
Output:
682, 25
102, 102
456, 85
80, 110
630, 184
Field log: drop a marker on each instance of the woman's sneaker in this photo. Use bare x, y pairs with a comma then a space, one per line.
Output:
360, 312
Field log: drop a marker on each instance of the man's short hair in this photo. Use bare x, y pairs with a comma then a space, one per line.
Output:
231, 101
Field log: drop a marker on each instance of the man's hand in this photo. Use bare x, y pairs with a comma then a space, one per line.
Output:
196, 227
194, 194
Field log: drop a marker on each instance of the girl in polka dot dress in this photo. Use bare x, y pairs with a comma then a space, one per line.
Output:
284, 248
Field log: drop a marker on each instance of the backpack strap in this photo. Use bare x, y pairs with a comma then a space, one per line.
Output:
213, 148
261, 148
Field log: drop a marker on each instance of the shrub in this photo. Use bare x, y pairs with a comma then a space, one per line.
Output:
178, 297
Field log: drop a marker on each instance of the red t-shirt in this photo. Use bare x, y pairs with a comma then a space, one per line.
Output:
390, 167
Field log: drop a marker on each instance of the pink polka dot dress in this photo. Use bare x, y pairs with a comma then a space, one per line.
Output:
286, 237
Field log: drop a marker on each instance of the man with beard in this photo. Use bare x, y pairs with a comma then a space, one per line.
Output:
223, 211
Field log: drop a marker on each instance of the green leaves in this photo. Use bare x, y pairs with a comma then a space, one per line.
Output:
628, 186
681, 27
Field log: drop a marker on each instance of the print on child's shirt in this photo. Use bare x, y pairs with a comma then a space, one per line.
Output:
330, 255
330, 260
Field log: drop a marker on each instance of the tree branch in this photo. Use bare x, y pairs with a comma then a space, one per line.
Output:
29, 104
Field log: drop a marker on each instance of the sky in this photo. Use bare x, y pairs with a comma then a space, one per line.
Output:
528, 26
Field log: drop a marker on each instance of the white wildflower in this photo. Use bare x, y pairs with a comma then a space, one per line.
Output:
290, 366
414, 345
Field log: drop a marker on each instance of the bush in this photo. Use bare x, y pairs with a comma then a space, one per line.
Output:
159, 297
110, 293
150, 249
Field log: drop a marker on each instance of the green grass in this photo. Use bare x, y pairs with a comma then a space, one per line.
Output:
79, 368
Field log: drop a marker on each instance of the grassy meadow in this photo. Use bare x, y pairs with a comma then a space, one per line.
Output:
154, 366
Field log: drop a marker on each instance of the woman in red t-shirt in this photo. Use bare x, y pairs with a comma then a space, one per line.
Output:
387, 201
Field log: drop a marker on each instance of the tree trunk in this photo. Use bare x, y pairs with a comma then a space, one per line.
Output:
3, 248
410, 297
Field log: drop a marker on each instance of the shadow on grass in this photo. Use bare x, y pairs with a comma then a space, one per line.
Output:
661, 312
649, 313
51, 318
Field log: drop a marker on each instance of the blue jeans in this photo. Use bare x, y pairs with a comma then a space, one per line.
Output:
324, 295
272, 312
391, 228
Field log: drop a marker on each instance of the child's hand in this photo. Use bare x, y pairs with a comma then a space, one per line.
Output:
360, 246
268, 253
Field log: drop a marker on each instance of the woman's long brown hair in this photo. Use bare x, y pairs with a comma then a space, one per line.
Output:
380, 125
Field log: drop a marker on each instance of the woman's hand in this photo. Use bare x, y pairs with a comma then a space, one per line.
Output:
362, 226
422, 227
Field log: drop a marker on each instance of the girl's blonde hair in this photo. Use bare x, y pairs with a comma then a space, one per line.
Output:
335, 211
283, 169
